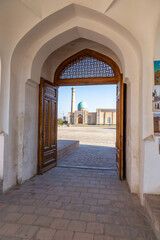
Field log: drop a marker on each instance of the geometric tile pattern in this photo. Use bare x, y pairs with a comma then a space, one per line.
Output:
86, 67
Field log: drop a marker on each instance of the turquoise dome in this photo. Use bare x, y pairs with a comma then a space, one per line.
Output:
82, 105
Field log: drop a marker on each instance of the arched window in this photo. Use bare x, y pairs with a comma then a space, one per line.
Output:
80, 119
108, 120
89, 119
87, 67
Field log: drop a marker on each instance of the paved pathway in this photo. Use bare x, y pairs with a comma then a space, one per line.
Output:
97, 146
90, 156
73, 204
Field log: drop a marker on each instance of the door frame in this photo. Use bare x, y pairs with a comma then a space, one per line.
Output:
118, 77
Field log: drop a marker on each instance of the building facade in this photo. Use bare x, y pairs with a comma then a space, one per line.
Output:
82, 116
100, 117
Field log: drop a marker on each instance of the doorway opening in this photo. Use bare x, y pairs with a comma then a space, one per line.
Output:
80, 119
96, 136
86, 67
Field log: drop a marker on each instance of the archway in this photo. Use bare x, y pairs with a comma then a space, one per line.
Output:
108, 120
89, 67
38, 43
80, 119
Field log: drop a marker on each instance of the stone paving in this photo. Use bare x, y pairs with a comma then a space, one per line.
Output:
90, 156
73, 204
97, 146
152, 205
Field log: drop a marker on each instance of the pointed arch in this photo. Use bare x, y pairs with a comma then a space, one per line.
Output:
71, 71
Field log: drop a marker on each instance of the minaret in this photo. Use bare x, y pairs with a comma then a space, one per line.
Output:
73, 101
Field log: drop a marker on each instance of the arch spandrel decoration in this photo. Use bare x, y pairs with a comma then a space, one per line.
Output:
87, 67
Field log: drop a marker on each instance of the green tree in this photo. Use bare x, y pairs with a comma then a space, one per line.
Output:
59, 121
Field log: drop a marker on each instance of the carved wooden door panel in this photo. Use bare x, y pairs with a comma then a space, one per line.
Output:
48, 94
119, 129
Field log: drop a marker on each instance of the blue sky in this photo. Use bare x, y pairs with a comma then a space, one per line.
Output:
99, 96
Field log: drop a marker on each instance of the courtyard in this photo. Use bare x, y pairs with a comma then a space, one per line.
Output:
99, 135
96, 146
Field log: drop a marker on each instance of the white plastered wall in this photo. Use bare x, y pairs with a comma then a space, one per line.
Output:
115, 28
151, 146
29, 168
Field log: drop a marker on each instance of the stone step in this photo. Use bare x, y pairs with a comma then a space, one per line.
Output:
152, 205
65, 146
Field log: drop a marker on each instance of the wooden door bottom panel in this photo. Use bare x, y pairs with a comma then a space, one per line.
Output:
48, 156
49, 162
48, 167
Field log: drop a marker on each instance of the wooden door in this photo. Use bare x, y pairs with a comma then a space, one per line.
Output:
119, 128
48, 94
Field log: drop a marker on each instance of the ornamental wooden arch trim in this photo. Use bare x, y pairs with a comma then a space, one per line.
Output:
111, 77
